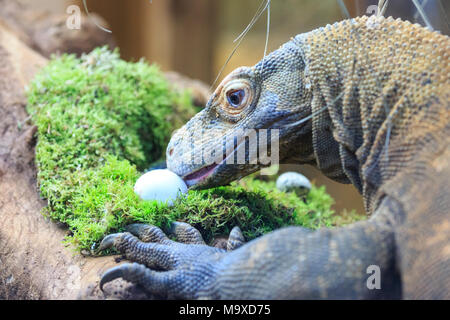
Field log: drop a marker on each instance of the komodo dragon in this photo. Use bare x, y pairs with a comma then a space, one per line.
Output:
367, 101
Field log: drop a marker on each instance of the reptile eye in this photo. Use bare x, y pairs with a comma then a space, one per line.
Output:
235, 97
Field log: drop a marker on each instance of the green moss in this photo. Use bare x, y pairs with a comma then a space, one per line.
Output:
100, 121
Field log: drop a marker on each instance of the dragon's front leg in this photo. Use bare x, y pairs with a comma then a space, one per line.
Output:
288, 263
153, 252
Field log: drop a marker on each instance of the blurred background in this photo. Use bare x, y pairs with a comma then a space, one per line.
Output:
195, 37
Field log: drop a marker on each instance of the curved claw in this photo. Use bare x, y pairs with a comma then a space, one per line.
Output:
136, 228
161, 283
110, 275
186, 233
146, 233
235, 239
108, 241
176, 226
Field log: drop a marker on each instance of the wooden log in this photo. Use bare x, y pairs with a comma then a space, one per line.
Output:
34, 262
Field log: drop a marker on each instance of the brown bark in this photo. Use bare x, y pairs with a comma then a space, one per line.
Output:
34, 263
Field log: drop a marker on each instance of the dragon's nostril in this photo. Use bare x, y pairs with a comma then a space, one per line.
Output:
170, 152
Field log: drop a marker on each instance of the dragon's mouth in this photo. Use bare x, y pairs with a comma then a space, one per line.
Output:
200, 175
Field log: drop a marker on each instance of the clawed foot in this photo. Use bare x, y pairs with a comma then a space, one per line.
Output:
181, 268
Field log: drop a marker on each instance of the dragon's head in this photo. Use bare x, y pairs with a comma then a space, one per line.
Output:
254, 110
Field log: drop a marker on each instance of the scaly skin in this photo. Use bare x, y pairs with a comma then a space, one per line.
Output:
375, 94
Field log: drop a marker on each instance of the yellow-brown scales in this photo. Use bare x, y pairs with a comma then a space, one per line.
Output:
396, 87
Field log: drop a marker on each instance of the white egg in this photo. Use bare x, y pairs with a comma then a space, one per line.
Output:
293, 181
161, 184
